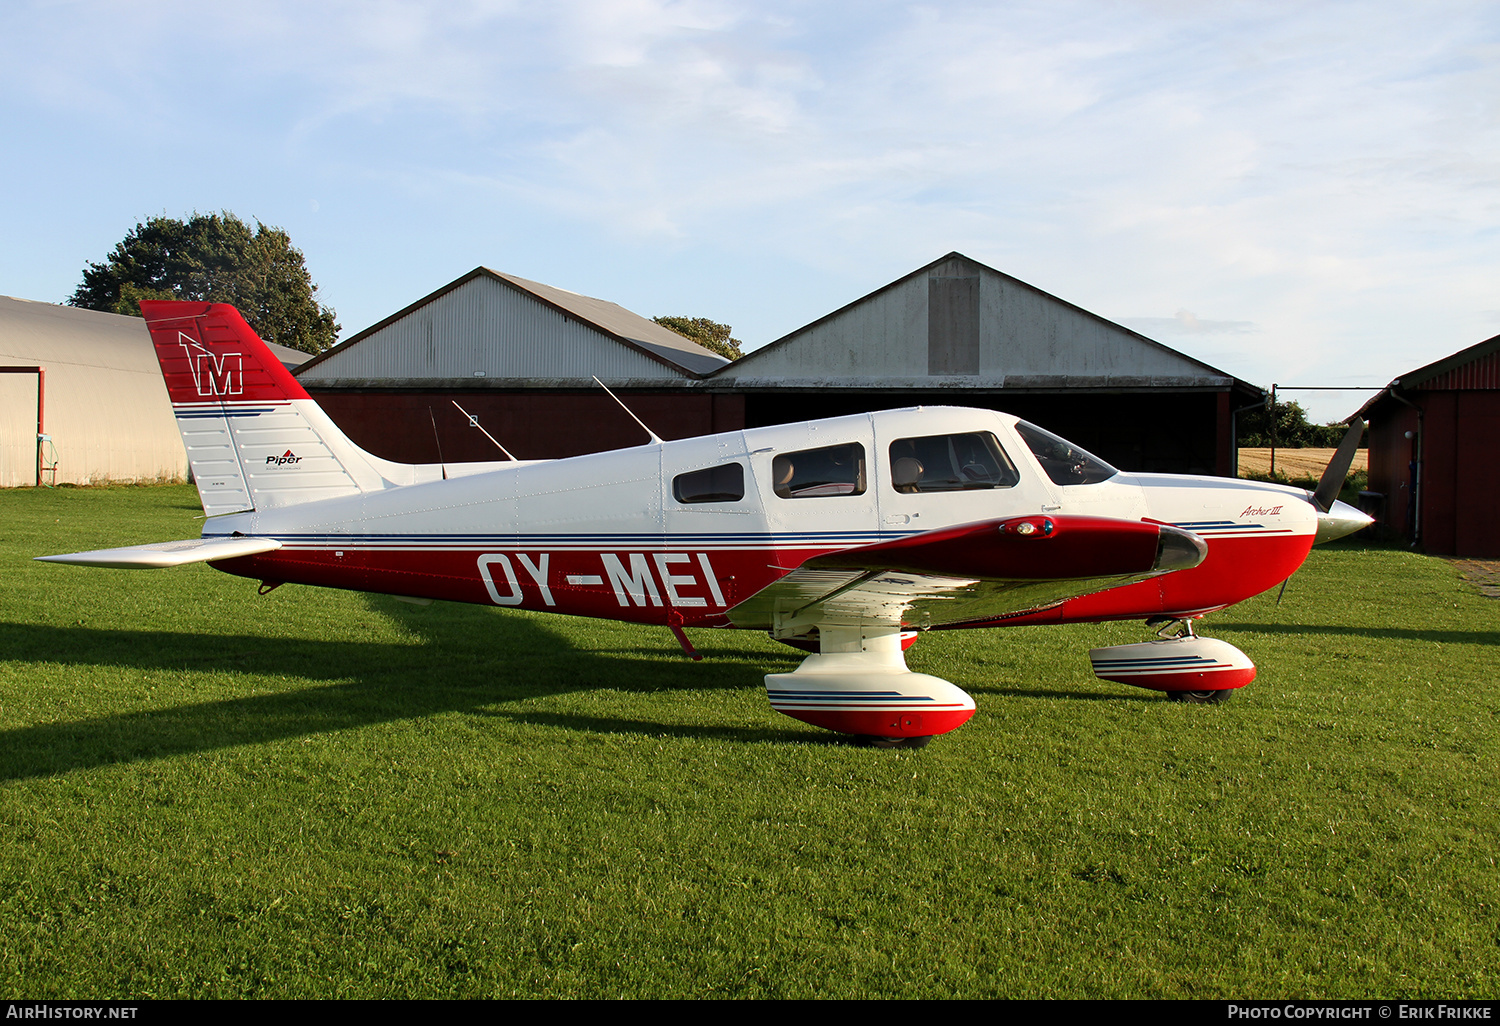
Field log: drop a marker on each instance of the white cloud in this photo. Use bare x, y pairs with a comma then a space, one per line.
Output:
1185, 322
1327, 174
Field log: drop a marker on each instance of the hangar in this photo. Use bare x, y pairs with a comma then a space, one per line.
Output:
959, 333
95, 382
1432, 453
521, 356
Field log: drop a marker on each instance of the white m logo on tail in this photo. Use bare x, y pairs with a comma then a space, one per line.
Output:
213, 375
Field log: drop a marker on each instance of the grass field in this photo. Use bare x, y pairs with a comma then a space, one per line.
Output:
206, 793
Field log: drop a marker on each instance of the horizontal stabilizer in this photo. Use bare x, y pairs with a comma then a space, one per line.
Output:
173, 553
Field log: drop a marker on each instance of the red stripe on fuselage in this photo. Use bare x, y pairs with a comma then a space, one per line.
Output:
687, 587
660, 586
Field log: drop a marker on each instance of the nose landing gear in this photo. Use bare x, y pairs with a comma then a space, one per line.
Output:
1189, 668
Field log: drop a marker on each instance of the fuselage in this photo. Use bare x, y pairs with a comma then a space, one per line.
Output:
680, 532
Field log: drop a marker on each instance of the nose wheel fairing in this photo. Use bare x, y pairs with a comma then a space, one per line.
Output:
1188, 664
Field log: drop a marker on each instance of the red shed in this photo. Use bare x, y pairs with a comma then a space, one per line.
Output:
1435, 453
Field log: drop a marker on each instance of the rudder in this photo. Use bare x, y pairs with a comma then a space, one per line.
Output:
254, 438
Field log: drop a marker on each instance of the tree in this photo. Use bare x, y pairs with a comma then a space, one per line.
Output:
708, 334
214, 258
1292, 429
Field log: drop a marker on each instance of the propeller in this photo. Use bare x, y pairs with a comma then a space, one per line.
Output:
1333, 477
1346, 520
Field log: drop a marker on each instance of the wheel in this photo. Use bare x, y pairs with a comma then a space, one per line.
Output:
893, 742
1201, 697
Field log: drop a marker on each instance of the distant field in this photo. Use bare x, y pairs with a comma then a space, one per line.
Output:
209, 793
1296, 463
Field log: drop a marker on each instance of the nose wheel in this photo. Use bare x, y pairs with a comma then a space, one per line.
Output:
1199, 697
870, 741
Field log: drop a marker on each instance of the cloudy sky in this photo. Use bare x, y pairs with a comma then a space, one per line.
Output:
1305, 193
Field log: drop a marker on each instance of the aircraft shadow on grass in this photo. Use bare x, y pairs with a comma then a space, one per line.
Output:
1444, 637
466, 663
1065, 695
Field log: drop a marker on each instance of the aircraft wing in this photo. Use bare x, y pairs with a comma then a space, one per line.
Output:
970, 573
173, 553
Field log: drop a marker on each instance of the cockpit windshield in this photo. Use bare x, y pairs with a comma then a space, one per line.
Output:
1064, 462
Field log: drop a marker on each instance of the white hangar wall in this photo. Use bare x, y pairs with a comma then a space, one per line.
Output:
520, 356
106, 408
498, 330
959, 324
957, 332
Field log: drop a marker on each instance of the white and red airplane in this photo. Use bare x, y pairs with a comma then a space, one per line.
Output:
842, 536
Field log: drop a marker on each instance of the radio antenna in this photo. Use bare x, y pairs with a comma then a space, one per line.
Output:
474, 423
441, 462
633, 417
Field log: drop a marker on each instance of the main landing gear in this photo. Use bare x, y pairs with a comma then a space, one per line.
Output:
1189, 668
857, 683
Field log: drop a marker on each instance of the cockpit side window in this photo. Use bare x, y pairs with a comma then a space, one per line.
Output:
1064, 462
950, 463
835, 470
714, 484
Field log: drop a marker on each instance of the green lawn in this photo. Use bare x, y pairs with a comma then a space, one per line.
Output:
207, 793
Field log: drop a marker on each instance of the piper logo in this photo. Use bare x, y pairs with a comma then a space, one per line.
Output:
285, 457
213, 374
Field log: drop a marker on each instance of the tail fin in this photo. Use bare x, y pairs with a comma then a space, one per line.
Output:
254, 438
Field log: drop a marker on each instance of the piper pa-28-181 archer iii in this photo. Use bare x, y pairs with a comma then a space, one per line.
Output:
843, 537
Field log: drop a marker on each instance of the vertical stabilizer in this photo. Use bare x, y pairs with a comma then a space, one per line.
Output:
254, 438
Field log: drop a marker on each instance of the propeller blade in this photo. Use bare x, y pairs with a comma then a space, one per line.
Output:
1338, 468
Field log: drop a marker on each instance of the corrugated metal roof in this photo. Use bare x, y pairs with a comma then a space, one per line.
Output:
1476, 368
613, 318
501, 329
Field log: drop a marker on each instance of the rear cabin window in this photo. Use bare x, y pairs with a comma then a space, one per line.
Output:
835, 470
715, 484
950, 463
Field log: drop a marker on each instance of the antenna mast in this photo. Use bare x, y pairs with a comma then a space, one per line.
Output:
474, 423
633, 417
